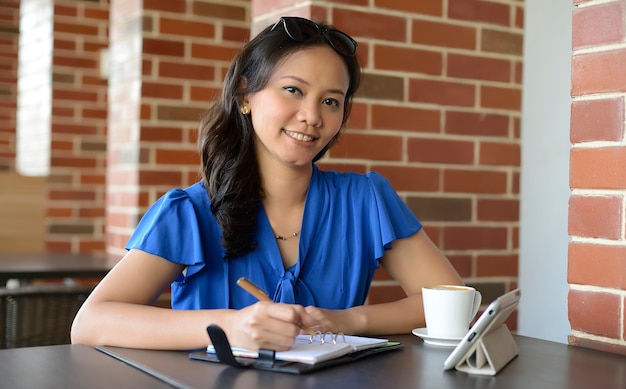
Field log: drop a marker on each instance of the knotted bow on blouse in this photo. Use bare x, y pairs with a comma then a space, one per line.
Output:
291, 290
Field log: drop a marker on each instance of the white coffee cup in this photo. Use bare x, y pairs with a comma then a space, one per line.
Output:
449, 309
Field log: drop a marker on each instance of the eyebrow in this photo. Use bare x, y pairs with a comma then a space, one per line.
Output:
335, 91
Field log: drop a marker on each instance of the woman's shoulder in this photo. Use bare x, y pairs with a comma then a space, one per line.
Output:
195, 193
191, 200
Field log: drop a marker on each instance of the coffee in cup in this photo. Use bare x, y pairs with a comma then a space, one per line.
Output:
449, 309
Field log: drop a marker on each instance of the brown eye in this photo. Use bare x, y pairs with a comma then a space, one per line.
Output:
292, 89
332, 102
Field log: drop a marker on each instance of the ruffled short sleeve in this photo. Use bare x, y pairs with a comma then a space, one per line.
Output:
171, 229
390, 217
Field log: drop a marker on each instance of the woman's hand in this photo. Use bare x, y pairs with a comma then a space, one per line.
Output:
324, 320
267, 325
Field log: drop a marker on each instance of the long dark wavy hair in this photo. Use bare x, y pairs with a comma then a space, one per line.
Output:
226, 137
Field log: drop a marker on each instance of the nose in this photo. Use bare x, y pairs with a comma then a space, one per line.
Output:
310, 114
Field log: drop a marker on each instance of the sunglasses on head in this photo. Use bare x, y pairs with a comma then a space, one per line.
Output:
300, 29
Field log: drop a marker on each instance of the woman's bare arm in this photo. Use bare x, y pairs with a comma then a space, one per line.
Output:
119, 313
414, 262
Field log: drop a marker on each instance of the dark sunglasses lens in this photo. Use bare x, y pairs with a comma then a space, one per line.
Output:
342, 43
300, 29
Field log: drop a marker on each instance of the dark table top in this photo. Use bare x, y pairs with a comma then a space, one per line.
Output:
69, 366
52, 265
540, 364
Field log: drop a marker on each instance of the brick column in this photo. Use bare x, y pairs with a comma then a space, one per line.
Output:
167, 62
597, 206
124, 115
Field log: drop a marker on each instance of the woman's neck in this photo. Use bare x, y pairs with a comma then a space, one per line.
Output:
284, 194
285, 187
283, 184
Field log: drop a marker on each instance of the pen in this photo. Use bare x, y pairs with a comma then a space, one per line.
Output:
260, 294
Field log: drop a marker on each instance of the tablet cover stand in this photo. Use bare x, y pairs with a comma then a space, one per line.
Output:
490, 353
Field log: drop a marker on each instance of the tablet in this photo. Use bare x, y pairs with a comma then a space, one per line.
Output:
495, 314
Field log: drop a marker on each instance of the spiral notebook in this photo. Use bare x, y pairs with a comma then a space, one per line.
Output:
306, 355
311, 351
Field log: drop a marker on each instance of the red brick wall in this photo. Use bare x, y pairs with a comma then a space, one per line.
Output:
78, 131
597, 216
75, 190
9, 36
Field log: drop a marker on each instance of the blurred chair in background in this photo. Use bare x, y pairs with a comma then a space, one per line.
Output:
39, 315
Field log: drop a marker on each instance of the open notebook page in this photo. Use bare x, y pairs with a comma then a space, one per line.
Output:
304, 351
359, 343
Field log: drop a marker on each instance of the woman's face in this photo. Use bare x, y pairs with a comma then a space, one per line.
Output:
301, 108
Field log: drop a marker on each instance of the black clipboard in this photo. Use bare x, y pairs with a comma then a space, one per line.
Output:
267, 360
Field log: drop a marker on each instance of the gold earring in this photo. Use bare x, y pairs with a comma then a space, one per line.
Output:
245, 110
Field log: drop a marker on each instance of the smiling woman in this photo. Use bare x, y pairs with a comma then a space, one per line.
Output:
312, 239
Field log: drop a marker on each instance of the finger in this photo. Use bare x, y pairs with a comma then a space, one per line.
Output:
310, 316
277, 325
286, 312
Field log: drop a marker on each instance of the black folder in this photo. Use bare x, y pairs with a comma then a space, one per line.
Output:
267, 360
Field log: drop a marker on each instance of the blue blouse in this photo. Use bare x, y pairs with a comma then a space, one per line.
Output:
349, 221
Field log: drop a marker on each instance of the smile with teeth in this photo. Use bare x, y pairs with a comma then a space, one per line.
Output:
300, 137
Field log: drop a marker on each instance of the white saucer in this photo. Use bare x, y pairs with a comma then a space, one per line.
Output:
435, 341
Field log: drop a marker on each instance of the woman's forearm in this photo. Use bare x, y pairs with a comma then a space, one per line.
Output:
140, 326
397, 317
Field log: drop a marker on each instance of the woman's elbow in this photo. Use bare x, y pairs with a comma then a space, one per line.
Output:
80, 332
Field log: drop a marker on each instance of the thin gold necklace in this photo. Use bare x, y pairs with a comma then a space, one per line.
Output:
279, 237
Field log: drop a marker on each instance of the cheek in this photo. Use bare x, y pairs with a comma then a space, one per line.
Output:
333, 123
263, 117
269, 111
